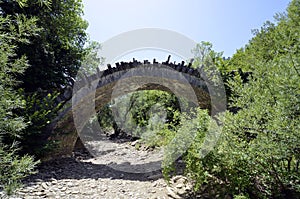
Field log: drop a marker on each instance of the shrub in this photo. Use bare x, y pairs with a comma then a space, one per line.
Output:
13, 31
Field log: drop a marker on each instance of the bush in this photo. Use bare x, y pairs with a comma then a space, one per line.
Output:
13, 31
13, 168
40, 110
262, 139
257, 155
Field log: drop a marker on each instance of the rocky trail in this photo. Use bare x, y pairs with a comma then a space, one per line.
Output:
119, 170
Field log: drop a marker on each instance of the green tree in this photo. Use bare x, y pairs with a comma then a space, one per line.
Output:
91, 60
205, 56
141, 113
271, 41
13, 31
261, 141
55, 54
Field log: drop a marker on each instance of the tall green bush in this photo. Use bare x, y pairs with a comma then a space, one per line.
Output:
257, 155
13, 31
40, 110
262, 140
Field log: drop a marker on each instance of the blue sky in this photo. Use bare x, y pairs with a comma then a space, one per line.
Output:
227, 24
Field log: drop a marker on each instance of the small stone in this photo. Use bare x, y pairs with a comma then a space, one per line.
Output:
39, 193
48, 183
179, 186
44, 185
154, 184
75, 192
69, 184
49, 195
181, 192
119, 182
102, 193
134, 143
93, 186
179, 179
172, 194
53, 181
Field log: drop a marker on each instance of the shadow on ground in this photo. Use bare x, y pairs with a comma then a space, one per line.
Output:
70, 168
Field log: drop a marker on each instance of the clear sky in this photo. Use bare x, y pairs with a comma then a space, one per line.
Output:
227, 24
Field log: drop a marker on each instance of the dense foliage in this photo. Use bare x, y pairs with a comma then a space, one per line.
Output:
55, 54
257, 155
14, 30
142, 114
42, 47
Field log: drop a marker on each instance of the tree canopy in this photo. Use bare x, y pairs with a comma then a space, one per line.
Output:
55, 54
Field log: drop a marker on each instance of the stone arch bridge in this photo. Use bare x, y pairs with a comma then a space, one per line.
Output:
98, 89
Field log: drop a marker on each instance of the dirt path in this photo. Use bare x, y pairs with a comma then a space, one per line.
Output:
118, 171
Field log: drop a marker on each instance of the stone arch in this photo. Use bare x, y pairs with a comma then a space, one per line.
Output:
98, 89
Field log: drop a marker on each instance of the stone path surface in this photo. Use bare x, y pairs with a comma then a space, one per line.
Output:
118, 171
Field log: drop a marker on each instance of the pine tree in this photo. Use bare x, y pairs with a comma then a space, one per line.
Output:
13, 31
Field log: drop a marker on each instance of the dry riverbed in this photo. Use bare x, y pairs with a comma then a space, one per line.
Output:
118, 170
